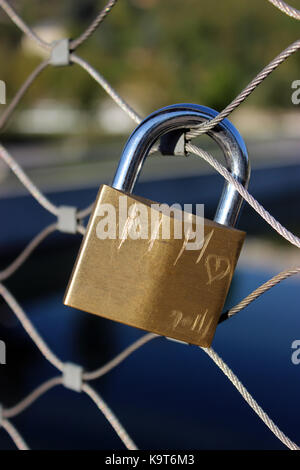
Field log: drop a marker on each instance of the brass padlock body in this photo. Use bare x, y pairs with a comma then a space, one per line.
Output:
156, 286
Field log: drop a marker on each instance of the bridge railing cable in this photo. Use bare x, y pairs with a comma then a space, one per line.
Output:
72, 376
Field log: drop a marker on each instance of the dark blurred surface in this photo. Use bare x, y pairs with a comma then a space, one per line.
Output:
167, 395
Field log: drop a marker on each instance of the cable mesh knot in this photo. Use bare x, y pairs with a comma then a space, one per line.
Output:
60, 52
72, 376
67, 219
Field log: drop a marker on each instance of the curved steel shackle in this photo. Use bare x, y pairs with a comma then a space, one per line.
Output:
186, 116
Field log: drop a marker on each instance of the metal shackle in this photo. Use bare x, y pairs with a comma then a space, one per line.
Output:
184, 117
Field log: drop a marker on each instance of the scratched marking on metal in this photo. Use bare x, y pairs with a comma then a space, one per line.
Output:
135, 285
219, 260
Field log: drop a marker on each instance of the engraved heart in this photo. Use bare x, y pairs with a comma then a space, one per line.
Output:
217, 267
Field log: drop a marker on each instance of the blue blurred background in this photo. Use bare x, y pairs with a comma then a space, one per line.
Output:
167, 395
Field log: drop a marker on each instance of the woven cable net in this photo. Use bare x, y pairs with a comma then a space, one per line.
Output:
73, 376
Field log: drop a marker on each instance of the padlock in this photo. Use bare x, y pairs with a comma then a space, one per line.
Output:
151, 282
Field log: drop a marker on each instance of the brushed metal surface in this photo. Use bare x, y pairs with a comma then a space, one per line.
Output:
156, 286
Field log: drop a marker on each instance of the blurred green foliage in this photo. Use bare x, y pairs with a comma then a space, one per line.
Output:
158, 52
